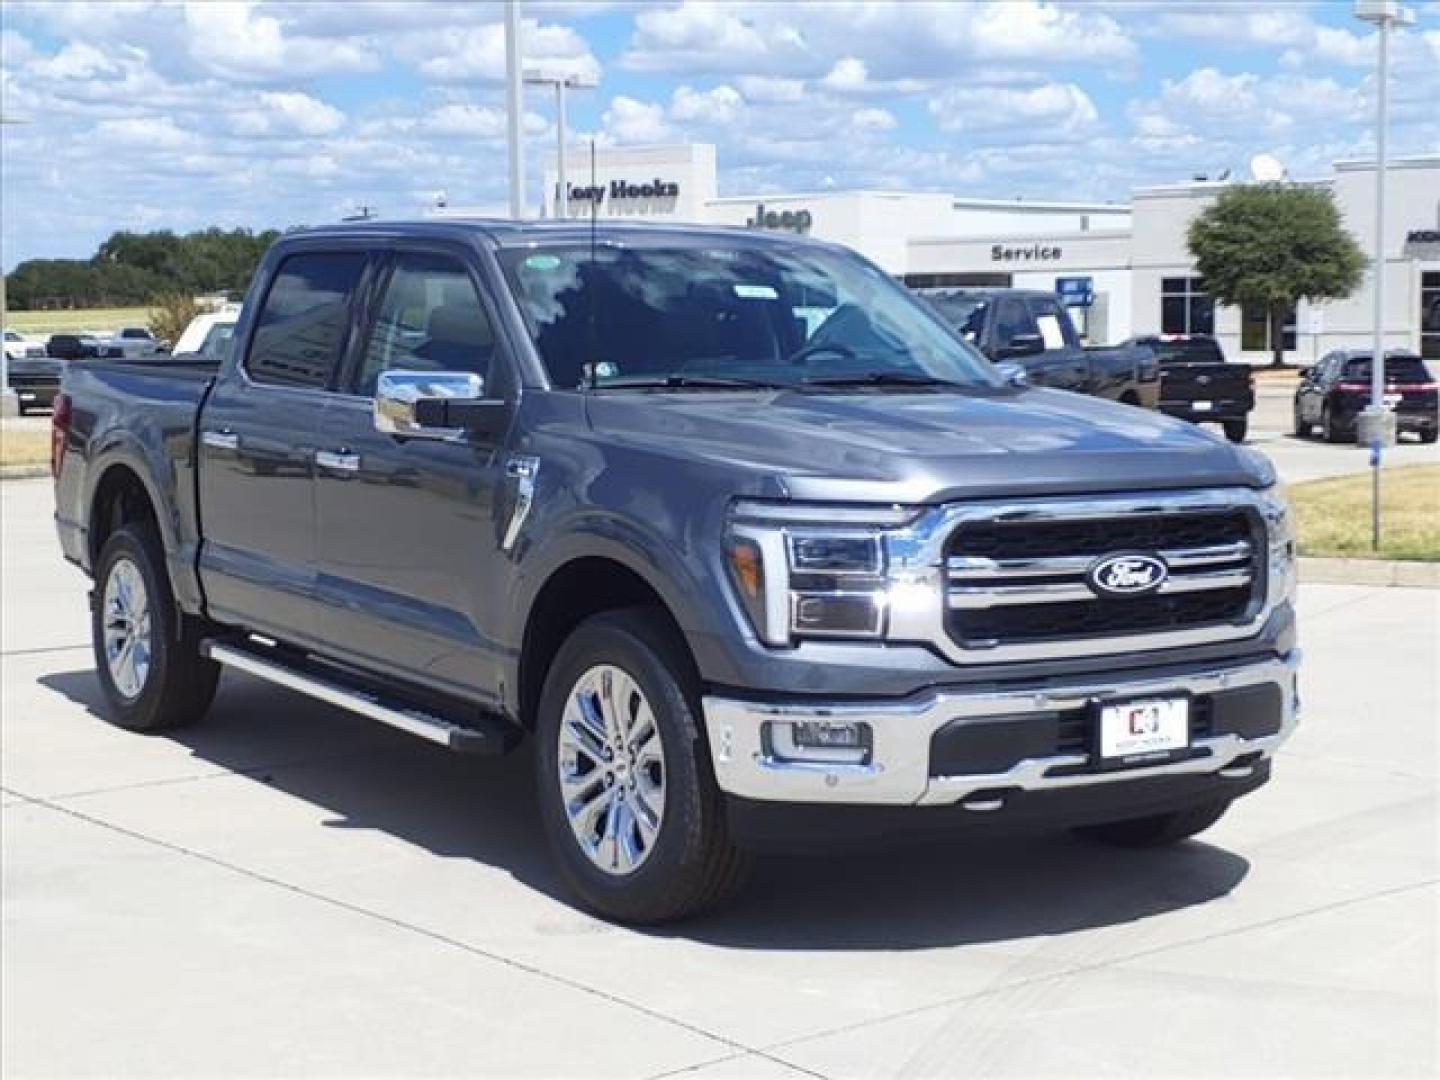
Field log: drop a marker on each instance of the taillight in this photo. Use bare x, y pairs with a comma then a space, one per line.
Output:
59, 432
1423, 386
1359, 387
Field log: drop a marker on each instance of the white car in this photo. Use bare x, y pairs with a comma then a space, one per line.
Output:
19, 347
209, 334
134, 341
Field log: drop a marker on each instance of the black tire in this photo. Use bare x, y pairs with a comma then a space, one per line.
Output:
1235, 430
1329, 430
1158, 831
1302, 429
692, 866
179, 682
1428, 435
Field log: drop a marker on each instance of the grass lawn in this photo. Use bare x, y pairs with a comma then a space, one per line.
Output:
52, 322
1334, 515
24, 445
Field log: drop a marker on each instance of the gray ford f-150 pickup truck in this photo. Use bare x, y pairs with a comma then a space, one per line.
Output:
753, 546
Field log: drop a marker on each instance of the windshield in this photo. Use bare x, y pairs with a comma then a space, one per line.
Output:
965, 313
718, 315
217, 342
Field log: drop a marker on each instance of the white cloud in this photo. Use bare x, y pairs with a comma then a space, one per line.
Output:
718, 106
874, 119
633, 121
457, 54
289, 112
232, 38
766, 89
1032, 114
145, 133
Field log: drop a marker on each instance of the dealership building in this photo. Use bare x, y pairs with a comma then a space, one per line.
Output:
1124, 265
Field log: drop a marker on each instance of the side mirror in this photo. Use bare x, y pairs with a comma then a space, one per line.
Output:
1306, 373
1022, 345
1013, 374
434, 405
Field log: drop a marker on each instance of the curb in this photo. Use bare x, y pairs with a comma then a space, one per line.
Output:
1384, 572
23, 472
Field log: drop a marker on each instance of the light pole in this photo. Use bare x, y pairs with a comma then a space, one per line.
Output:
9, 401
514, 105
561, 84
1376, 424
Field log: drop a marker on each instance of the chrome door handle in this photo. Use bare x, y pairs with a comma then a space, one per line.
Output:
339, 460
220, 440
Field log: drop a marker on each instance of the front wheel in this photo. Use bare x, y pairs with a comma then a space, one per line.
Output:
627, 792
147, 654
1329, 429
1159, 830
1235, 430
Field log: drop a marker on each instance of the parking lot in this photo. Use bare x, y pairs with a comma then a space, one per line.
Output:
288, 889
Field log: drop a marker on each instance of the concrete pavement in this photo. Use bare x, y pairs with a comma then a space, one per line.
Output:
290, 890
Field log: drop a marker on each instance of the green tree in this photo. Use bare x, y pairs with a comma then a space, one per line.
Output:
1270, 245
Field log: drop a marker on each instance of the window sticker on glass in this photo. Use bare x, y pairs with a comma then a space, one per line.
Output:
1050, 331
755, 292
542, 263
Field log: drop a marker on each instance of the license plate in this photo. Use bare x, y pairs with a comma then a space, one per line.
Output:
1201, 406
1135, 731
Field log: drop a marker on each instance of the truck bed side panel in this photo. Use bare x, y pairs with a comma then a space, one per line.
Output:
140, 417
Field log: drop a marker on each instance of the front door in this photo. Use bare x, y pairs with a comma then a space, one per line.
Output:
407, 531
258, 435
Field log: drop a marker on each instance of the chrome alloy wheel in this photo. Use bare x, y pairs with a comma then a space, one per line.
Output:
126, 628
612, 770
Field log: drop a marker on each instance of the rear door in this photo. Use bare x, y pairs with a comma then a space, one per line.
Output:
258, 433
407, 529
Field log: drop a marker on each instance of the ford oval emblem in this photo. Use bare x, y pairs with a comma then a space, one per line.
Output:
1126, 574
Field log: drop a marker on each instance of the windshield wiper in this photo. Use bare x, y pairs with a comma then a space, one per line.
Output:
684, 382
880, 378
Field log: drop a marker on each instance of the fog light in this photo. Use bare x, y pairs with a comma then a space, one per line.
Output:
856, 614
821, 741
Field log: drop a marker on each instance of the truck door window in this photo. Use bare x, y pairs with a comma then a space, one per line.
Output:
1050, 321
1012, 320
302, 323
430, 320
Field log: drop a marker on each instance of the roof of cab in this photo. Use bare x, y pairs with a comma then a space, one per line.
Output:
504, 232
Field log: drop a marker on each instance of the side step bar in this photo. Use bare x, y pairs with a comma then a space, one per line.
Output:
486, 736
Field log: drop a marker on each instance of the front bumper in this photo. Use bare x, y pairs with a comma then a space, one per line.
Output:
900, 772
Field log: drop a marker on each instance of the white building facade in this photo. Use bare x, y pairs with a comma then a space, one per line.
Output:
1131, 259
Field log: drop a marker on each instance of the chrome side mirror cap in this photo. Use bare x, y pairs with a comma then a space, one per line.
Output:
1013, 374
399, 394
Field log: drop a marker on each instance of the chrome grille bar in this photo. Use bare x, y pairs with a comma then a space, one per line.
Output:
965, 568
1060, 592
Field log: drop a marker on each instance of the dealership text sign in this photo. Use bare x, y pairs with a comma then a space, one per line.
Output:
623, 189
1028, 253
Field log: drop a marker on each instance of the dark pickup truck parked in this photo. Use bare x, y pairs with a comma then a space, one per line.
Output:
749, 543
1197, 384
1033, 329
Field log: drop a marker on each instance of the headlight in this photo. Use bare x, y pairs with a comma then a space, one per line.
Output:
811, 571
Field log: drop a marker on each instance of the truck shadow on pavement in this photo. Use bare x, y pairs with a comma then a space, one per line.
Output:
911, 896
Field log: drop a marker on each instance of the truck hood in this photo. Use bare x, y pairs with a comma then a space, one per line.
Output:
918, 447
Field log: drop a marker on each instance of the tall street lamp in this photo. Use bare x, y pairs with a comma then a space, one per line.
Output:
1376, 424
561, 84
514, 106
9, 400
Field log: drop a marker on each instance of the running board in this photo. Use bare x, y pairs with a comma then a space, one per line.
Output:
487, 736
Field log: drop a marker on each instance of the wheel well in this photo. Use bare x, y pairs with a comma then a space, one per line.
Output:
576, 591
119, 499
1129, 397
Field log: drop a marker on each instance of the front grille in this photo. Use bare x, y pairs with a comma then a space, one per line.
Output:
1019, 581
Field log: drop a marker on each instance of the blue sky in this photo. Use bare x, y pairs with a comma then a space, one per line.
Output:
164, 115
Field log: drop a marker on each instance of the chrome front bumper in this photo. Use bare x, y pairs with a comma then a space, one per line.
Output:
899, 770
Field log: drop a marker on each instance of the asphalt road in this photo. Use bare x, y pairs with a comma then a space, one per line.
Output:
291, 890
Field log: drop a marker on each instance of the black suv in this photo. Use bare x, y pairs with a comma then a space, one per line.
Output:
1333, 393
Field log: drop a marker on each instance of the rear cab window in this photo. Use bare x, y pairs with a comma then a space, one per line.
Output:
1051, 323
1398, 369
304, 319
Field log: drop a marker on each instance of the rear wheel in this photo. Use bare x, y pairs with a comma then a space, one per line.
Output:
1428, 435
1301, 428
1329, 429
627, 792
1235, 430
147, 654
1159, 830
